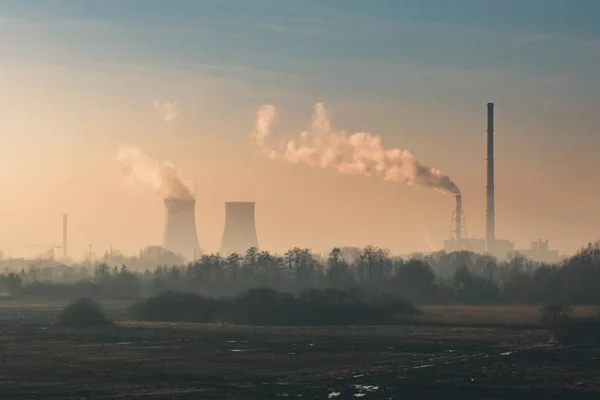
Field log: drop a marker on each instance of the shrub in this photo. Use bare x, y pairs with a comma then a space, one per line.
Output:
269, 307
176, 307
263, 306
395, 305
83, 313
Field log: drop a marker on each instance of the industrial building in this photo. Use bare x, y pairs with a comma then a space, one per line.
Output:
239, 233
500, 248
540, 251
180, 228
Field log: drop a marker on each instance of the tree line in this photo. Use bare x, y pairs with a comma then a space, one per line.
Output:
438, 278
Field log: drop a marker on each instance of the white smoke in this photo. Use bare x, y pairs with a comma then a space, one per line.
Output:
168, 110
264, 120
163, 177
358, 153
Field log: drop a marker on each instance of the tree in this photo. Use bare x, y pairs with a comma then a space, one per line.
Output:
13, 284
415, 280
232, 264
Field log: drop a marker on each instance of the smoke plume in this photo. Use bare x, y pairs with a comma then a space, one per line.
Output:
358, 153
163, 177
167, 110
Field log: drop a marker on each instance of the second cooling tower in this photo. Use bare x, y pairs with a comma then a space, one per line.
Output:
240, 231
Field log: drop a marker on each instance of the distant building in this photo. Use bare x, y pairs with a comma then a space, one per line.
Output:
500, 248
541, 252
473, 245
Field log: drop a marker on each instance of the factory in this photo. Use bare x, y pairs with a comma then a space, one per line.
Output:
499, 248
239, 232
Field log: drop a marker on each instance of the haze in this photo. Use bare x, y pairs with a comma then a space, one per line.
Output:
182, 81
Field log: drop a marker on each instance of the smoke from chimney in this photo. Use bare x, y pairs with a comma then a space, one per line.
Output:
358, 153
163, 177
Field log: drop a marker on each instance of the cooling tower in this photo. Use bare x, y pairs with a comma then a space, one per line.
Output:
180, 228
490, 214
240, 231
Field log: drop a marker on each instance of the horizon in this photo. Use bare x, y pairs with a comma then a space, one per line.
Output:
90, 91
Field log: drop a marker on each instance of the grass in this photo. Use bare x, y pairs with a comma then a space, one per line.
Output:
146, 360
492, 316
208, 361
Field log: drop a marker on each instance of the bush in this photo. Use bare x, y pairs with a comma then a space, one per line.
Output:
176, 307
395, 305
269, 307
264, 307
83, 313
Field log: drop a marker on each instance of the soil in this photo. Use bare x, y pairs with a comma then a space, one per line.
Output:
134, 360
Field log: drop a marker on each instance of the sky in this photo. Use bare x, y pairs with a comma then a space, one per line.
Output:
182, 80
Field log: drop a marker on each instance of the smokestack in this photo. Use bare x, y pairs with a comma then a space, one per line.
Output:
240, 230
180, 228
64, 243
490, 215
459, 219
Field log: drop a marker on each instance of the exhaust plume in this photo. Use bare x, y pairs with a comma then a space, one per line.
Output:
162, 176
167, 110
358, 153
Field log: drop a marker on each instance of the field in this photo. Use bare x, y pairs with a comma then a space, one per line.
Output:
433, 360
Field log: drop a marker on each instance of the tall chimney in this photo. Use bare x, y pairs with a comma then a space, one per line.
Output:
459, 219
239, 233
64, 243
180, 228
490, 212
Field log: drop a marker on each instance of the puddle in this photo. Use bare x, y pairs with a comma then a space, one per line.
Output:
508, 353
359, 395
358, 376
423, 366
124, 343
237, 350
290, 354
333, 394
368, 388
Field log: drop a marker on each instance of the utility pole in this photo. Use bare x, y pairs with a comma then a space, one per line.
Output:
90, 252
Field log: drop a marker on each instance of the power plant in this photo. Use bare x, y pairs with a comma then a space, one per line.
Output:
500, 248
180, 227
239, 233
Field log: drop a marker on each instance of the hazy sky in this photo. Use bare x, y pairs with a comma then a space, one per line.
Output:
79, 78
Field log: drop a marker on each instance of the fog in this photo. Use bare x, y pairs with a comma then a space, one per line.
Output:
436, 278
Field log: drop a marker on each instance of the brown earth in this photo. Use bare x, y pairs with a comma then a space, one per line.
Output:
196, 361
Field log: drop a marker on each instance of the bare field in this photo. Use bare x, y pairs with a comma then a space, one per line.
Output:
203, 361
493, 316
